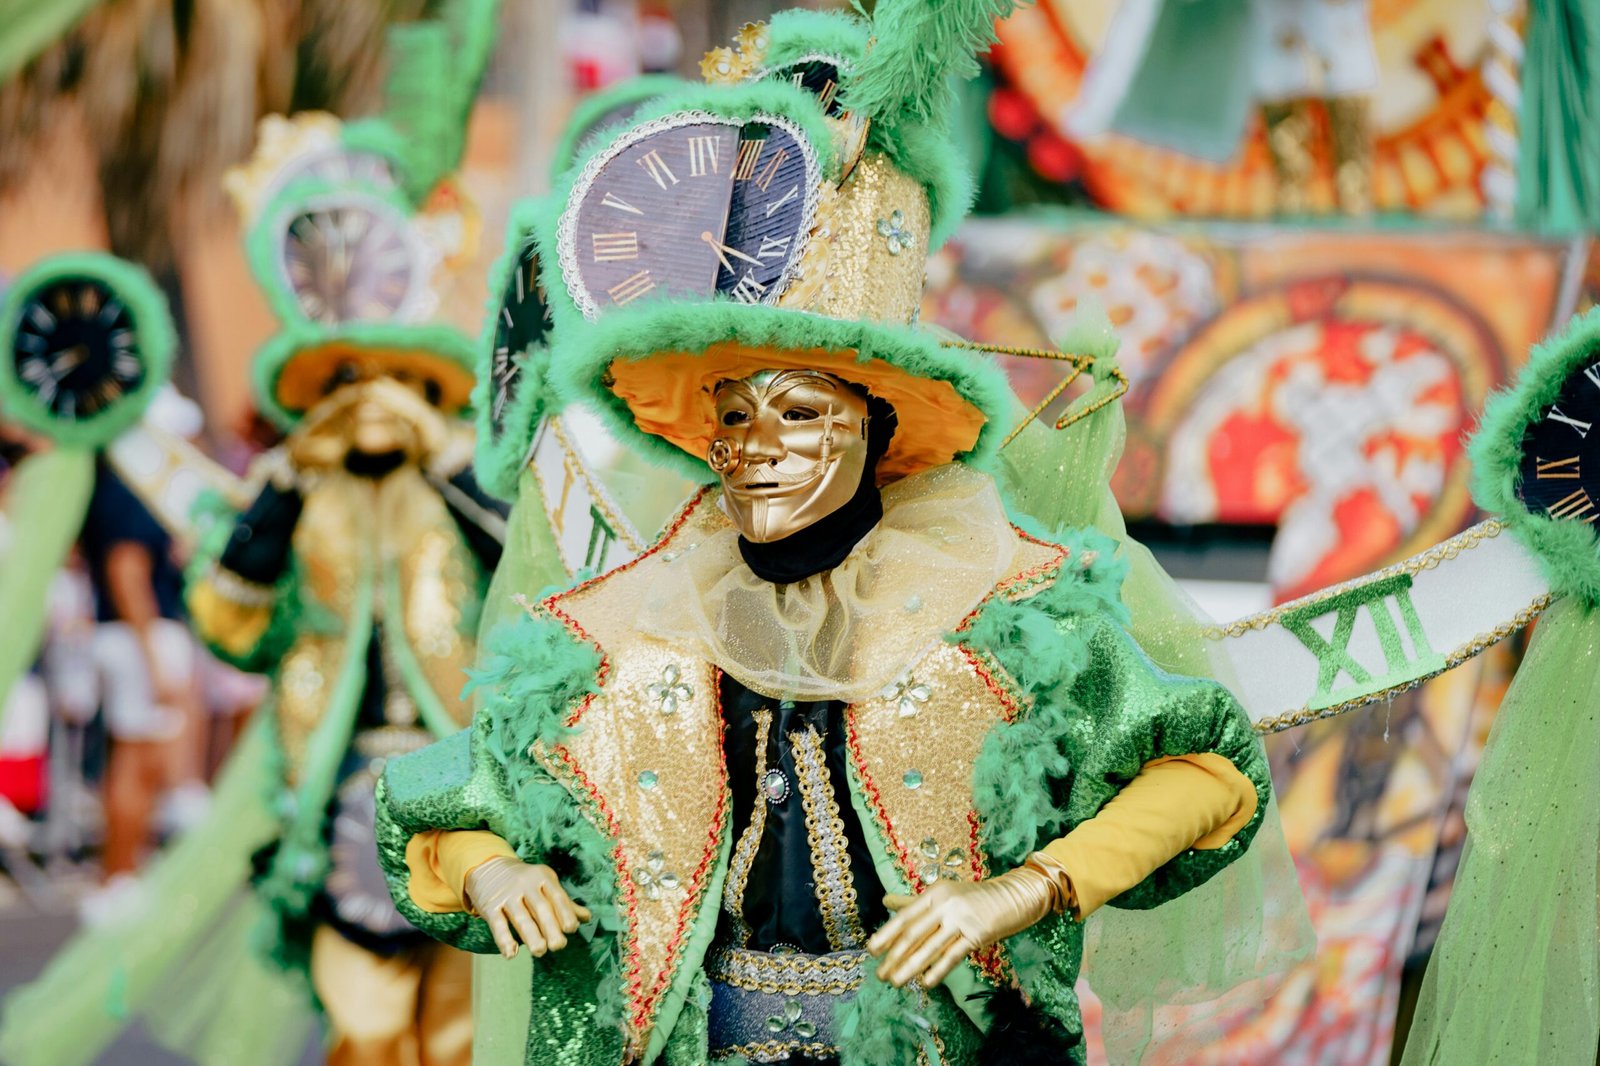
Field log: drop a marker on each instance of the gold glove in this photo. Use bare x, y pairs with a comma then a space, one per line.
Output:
521, 901
929, 934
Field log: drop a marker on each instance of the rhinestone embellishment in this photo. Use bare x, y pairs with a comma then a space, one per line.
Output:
934, 866
912, 779
790, 1020
775, 785
894, 233
909, 694
648, 779
670, 692
655, 878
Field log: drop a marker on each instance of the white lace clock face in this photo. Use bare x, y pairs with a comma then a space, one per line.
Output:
690, 206
521, 325
1561, 451
76, 349
353, 258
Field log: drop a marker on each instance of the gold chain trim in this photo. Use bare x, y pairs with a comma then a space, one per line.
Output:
744, 855
1080, 363
830, 860
775, 1051
1472, 648
789, 974
1428, 560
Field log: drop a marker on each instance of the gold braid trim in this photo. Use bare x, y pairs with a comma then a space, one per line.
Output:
830, 864
744, 854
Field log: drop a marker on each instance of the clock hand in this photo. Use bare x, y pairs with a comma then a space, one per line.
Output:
68, 359
723, 251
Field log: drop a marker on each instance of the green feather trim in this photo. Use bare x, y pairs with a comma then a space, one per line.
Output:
533, 672
1044, 660
797, 35
499, 463
1568, 551
740, 102
446, 342
147, 308
882, 1025
926, 153
580, 362
919, 46
263, 245
607, 110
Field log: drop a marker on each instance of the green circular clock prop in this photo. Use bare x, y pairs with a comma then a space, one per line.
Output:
87, 340
1536, 457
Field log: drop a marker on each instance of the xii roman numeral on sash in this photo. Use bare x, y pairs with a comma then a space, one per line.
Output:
1401, 665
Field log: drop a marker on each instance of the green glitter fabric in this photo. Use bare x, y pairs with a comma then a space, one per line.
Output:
1515, 977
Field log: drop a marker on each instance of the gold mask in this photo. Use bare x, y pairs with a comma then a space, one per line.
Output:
791, 447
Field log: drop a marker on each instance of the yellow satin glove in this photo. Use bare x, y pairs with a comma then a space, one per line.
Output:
929, 934
522, 901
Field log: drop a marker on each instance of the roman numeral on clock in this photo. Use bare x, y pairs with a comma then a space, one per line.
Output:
702, 156
794, 190
1582, 427
616, 202
1575, 505
749, 290
657, 168
1556, 469
773, 248
749, 155
615, 247
631, 288
763, 180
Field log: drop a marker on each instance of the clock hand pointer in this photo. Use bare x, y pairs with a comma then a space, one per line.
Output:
723, 251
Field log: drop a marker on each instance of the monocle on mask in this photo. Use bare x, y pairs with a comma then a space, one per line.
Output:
791, 448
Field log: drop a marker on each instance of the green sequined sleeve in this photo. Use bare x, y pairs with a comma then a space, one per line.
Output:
452, 784
1132, 713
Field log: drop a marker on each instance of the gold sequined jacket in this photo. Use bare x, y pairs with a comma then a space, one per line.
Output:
598, 750
357, 576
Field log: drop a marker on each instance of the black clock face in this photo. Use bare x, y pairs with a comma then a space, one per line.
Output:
521, 325
76, 348
1561, 453
822, 78
350, 262
690, 208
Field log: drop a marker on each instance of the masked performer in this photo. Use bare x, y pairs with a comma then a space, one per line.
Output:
835, 770
353, 573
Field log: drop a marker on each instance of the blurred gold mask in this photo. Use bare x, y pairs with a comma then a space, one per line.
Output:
791, 447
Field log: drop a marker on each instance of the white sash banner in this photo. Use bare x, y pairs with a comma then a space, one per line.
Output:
1368, 640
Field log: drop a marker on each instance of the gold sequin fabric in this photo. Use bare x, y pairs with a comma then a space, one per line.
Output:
646, 758
868, 250
353, 528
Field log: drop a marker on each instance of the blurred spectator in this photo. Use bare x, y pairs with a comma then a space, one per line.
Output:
147, 664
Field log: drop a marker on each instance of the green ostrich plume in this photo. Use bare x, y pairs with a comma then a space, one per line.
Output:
919, 45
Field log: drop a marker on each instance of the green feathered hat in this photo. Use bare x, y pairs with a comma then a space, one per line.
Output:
780, 215
353, 230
